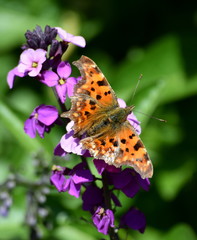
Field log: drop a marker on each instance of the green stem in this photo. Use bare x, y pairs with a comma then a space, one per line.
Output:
62, 105
107, 198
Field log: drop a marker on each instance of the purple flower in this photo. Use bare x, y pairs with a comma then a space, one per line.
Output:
40, 120
129, 182
66, 180
92, 197
5, 203
31, 61
101, 165
67, 37
39, 38
133, 219
70, 144
131, 117
58, 151
11, 76
103, 219
62, 82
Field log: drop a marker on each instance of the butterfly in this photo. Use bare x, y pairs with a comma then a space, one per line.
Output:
97, 116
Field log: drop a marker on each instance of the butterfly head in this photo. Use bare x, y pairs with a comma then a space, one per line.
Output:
129, 109
119, 115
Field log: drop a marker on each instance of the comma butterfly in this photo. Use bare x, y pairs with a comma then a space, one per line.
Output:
96, 113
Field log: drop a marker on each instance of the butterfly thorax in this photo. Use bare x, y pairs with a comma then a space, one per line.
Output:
111, 119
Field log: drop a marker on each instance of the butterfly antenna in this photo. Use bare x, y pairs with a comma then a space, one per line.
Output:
135, 89
159, 119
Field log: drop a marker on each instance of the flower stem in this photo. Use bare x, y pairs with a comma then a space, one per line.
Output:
62, 106
112, 233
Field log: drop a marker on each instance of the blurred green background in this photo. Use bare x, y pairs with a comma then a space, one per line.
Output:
125, 38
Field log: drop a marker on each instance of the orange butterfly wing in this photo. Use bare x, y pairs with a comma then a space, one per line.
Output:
93, 97
93, 101
123, 147
94, 83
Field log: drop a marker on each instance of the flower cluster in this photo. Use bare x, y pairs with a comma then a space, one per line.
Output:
42, 59
6, 195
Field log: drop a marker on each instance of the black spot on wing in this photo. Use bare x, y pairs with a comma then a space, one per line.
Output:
103, 142
86, 92
106, 93
102, 83
146, 157
98, 97
93, 108
87, 113
121, 151
138, 145
131, 136
123, 141
92, 102
97, 69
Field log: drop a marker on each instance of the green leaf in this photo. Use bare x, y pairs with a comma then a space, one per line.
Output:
181, 232
14, 24
169, 183
69, 232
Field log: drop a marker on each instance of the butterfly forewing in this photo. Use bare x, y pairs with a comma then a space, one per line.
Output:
94, 83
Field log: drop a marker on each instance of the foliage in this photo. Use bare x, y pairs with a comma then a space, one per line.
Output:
160, 43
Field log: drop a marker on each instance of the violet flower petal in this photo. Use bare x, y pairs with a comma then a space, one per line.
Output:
82, 176
47, 114
11, 76
70, 83
74, 189
103, 219
134, 122
58, 151
64, 70
92, 197
35, 71
131, 117
61, 91
49, 78
30, 128
27, 60
101, 165
134, 219
67, 37
76, 40
40, 128
58, 180
71, 144
121, 103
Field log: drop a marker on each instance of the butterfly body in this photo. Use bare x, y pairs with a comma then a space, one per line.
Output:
97, 115
110, 120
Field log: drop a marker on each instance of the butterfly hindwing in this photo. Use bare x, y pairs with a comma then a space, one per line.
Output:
123, 147
132, 151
